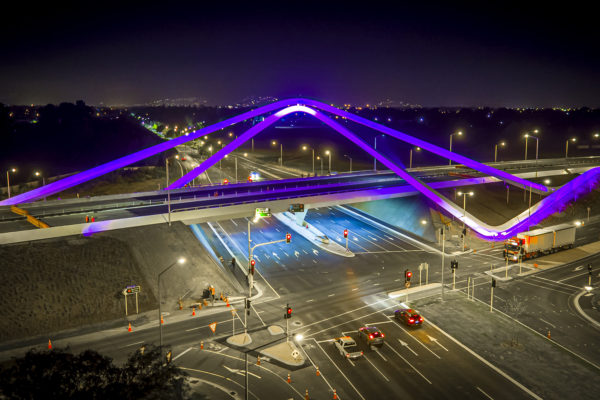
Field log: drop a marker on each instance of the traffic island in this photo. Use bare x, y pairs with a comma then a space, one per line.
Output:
313, 235
243, 339
286, 353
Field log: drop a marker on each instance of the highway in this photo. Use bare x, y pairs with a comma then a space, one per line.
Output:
73, 211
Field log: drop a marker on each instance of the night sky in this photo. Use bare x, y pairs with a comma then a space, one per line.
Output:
433, 55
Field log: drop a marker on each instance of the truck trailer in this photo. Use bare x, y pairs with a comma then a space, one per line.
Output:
539, 242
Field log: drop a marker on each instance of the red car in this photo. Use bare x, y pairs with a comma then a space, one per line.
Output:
409, 316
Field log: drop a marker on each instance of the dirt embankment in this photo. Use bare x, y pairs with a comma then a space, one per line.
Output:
55, 285
49, 286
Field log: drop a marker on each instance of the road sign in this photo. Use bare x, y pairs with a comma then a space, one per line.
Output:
213, 327
263, 212
132, 289
407, 284
297, 208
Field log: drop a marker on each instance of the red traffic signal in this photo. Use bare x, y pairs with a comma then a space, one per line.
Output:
345, 233
288, 238
225, 181
288, 312
407, 275
252, 264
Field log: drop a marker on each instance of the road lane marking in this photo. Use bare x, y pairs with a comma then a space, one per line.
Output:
547, 288
220, 376
486, 395
182, 353
258, 314
486, 362
406, 361
404, 344
384, 377
338, 368
351, 320
414, 338
331, 295
543, 320
380, 355
132, 344
240, 372
556, 282
436, 341
309, 301
348, 312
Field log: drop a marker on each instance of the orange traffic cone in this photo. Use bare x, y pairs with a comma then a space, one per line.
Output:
549, 334
201, 345
289, 379
129, 329
306, 395
162, 321
334, 394
318, 373
193, 310
258, 360
49, 345
199, 306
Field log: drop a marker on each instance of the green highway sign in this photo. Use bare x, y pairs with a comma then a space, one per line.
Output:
263, 212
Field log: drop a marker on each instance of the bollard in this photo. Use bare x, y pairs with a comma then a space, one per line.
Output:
318, 373
549, 334
289, 379
258, 360
306, 395
334, 394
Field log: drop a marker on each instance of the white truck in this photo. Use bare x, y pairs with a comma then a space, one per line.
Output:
540, 242
348, 347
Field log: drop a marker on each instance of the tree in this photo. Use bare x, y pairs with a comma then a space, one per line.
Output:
90, 375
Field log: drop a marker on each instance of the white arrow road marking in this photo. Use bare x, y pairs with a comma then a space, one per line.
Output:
355, 239
578, 268
276, 256
316, 252
404, 344
240, 372
436, 341
296, 254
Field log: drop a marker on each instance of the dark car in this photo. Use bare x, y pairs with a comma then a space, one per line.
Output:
409, 316
371, 336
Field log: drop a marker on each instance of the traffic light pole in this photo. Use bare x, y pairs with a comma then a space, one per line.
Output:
443, 253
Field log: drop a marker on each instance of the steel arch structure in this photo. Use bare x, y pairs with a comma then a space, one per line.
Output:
316, 109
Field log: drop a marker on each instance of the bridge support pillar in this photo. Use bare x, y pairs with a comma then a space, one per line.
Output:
300, 217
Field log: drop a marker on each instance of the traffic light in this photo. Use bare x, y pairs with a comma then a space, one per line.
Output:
493, 282
252, 264
288, 237
590, 269
464, 231
288, 312
225, 181
169, 354
408, 275
248, 306
453, 265
233, 262
345, 233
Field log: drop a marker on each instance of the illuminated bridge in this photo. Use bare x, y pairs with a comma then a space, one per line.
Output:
285, 190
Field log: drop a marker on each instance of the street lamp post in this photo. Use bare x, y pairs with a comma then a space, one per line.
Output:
464, 195
321, 158
459, 133
567, 146
411, 156
348, 157
328, 153
313, 158
13, 170
179, 261
38, 174
496, 150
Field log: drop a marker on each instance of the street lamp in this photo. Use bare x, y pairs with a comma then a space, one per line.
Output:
321, 158
464, 195
274, 143
502, 144
328, 153
567, 146
180, 261
537, 147
410, 158
459, 133
527, 135
313, 157
375, 148
349, 158
13, 170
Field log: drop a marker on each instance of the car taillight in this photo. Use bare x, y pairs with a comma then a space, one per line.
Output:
421, 319
347, 355
361, 353
382, 335
411, 320
370, 336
